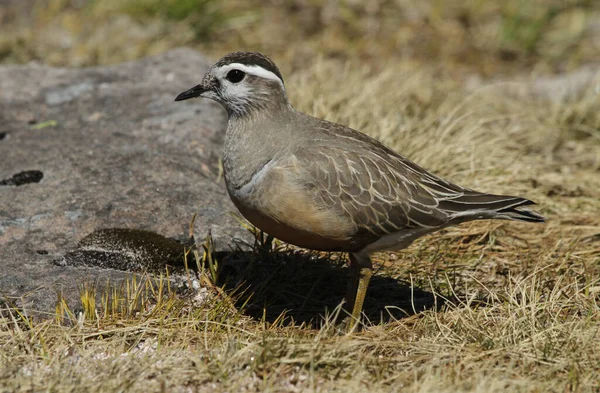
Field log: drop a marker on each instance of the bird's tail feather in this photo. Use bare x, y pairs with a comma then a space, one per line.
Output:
526, 214
483, 206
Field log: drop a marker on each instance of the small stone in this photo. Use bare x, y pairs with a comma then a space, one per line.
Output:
95, 116
196, 284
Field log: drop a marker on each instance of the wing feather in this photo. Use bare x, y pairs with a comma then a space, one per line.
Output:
382, 192
369, 191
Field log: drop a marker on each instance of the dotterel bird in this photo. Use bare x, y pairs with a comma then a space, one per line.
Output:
324, 186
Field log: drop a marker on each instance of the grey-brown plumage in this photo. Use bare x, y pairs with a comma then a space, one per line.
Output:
325, 186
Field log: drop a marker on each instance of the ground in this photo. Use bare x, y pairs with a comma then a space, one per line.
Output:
482, 307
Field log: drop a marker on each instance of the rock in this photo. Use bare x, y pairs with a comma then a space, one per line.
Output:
559, 88
568, 86
105, 147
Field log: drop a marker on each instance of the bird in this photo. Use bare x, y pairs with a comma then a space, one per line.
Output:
324, 186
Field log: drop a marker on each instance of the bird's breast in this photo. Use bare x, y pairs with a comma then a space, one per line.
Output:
274, 201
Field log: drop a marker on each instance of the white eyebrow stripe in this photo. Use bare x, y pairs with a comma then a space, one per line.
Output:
252, 70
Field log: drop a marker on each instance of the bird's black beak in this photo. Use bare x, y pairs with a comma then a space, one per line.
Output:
195, 91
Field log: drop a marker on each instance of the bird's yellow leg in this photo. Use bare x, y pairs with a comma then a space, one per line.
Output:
361, 270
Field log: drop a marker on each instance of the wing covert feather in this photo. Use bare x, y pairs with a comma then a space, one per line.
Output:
368, 190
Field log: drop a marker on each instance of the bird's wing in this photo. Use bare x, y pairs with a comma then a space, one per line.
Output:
378, 197
383, 193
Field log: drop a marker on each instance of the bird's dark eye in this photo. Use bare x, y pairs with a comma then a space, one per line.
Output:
235, 76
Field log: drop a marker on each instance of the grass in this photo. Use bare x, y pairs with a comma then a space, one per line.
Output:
483, 307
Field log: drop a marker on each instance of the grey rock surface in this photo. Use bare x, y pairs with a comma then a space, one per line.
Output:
105, 147
559, 88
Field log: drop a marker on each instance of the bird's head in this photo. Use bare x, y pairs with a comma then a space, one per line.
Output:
243, 82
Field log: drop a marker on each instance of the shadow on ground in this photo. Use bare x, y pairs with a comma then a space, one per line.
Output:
306, 287
268, 282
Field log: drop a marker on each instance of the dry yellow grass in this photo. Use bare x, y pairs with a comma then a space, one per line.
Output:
484, 307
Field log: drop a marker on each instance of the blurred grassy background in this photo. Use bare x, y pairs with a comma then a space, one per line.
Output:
488, 37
